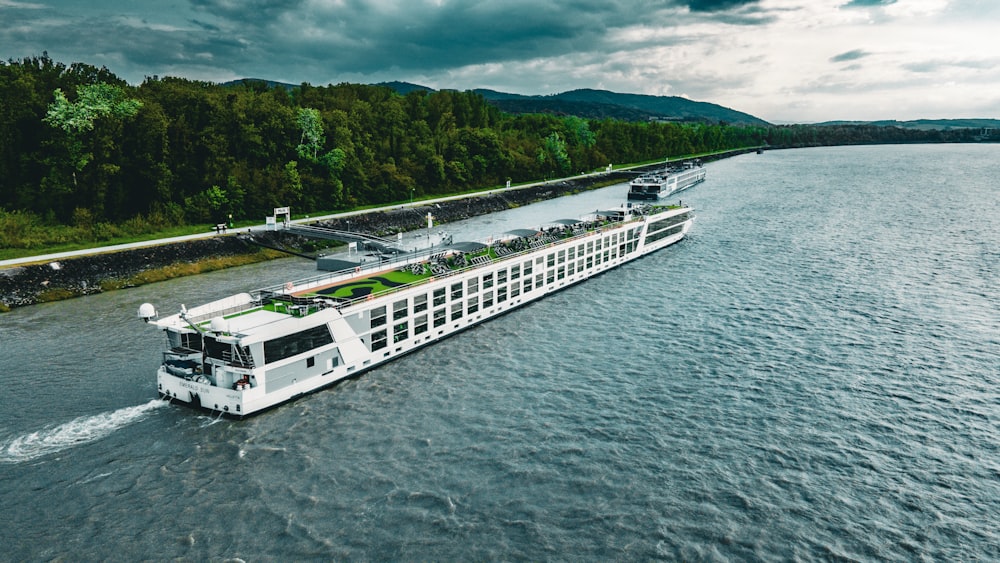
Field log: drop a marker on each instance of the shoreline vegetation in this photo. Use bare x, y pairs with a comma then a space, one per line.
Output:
109, 271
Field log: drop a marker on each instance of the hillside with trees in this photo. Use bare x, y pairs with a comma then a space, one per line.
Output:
80, 147
601, 104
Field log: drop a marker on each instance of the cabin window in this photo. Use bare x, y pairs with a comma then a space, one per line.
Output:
456, 310
527, 285
439, 296
472, 286
572, 253
310, 361
298, 343
562, 272
538, 280
420, 303
420, 324
456, 291
502, 294
378, 316
191, 341
400, 332
487, 299
572, 268
664, 234
527, 268
550, 277
668, 222
590, 247
473, 305
378, 340
515, 290
515, 272
502, 277
440, 317
218, 350
551, 260
488, 281
590, 262
400, 310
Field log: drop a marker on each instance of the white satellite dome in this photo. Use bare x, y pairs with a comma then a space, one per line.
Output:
219, 324
147, 312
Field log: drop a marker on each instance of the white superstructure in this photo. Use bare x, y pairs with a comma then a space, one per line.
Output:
251, 351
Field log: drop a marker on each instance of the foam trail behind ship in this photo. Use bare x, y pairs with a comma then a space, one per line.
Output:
79, 431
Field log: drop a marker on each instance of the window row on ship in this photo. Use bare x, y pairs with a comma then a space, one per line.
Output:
412, 316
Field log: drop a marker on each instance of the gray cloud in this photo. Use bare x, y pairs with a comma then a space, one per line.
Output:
940, 65
298, 40
358, 37
868, 3
718, 5
850, 56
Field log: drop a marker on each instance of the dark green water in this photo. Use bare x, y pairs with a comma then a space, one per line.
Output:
812, 375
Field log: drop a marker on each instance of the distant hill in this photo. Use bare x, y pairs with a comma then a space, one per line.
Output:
926, 124
269, 83
587, 103
599, 104
664, 108
405, 88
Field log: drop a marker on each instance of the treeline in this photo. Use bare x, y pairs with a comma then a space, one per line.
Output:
79, 146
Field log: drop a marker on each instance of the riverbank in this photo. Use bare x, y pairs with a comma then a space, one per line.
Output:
86, 275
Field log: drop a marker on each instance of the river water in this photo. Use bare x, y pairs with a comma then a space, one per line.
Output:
812, 374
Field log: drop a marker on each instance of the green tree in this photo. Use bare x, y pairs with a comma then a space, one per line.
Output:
553, 151
94, 102
310, 122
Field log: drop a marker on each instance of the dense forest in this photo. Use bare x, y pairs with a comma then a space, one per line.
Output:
81, 147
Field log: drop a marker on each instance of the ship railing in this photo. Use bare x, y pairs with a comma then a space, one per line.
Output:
237, 358
223, 308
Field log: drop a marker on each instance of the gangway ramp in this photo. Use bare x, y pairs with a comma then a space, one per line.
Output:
370, 241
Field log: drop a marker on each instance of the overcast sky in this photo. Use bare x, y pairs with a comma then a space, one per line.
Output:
784, 61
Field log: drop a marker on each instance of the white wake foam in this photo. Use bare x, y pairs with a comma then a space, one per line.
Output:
82, 430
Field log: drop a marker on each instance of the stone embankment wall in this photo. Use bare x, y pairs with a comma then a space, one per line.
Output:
27, 285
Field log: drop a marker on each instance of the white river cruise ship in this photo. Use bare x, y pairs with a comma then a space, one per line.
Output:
664, 183
251, 351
